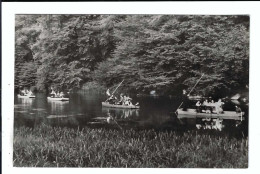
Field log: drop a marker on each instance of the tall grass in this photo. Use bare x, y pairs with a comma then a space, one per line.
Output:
47, 146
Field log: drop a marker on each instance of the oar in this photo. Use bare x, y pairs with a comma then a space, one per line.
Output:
190, 91
115, 121
115, 90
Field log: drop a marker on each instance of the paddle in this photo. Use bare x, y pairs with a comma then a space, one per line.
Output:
109, 115
190, 92
115, 90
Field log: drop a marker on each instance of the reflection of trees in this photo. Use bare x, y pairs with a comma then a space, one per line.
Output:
24, 103
70, 120
58, 107
40, 101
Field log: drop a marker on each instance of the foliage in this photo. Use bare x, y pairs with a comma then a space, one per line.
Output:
46, 146
150, 52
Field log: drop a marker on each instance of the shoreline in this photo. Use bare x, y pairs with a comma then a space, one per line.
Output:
46, 146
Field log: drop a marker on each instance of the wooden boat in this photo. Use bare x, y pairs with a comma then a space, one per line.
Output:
106, 104
195, 97
192, 113
58, 99
26, 96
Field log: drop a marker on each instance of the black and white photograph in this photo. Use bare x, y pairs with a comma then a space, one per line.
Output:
113, 90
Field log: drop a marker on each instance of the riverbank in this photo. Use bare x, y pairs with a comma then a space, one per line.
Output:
46, 146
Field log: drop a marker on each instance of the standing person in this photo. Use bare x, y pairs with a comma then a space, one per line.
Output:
22, 92
185, 100
53, 94
219, 106
30, 93
238, 109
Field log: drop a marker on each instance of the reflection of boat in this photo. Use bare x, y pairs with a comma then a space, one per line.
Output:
106, 104
192, 113
60, 116
216, 124
26, 96
58, 99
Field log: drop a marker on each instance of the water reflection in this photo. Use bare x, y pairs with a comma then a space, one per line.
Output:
207, 123
58, 107
117, 116
85, 109
120, 113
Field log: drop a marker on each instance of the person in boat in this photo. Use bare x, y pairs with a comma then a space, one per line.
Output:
58, 94
61, 94
185, 99
218, 106
198, 106
128, 101
30, 93
22, 92
124, 100
53, 93
120, 102
206, 103
26, 91
212, 105
207, 106
238, 109
112, 99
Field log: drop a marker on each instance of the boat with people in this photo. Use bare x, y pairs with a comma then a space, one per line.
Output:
57, 96
107, 104
58, 99
206, 109
192, 113
124, 102
26, 94
210, 110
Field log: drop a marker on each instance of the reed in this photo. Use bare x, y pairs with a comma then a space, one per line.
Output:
46, 146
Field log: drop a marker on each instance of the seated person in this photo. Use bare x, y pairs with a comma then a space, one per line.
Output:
22, 92
112, 99
120, 102
205, 103
198, 106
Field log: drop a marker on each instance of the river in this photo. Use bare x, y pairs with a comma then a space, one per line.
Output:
84, 109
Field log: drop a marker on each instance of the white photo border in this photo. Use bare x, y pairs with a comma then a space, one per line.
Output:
9, 9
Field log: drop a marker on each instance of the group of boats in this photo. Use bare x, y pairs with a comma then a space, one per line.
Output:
51, 98
125, 103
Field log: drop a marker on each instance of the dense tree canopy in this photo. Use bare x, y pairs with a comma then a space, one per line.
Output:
150, 52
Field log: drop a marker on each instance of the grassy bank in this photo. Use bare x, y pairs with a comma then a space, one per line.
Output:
46, 146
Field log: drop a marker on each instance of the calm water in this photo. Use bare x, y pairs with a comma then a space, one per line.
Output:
85, 109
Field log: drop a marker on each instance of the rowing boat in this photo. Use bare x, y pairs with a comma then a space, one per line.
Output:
192, 113
58, 99
106, 104
26, 96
